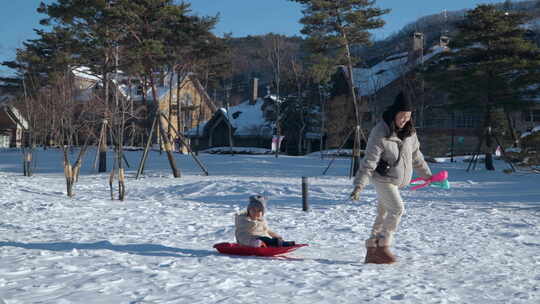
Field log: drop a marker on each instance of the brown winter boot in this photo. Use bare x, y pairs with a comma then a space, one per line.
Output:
379, 255
371, 255
384, 255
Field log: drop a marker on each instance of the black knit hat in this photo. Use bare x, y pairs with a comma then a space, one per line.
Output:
402, 103
257, 202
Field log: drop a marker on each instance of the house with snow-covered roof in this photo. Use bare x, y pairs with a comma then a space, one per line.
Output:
440, 130
377, 87
250, 124
246, 124
182, 99
12, 124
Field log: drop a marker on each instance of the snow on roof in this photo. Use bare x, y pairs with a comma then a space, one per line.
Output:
5, 98
247, 120
531, 24
275, 98
12, 111
370, 80
85, 73
534, 130
15, 115
130, 92
127, 91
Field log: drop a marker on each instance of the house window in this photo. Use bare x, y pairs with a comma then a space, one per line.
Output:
460, 121
437, 121
368, 117
465, 120
188, 122
187, 99
531, 115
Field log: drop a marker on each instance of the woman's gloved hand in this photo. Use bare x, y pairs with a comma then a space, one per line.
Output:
355, 194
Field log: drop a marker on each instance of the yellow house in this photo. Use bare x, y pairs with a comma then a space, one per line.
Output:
183, 100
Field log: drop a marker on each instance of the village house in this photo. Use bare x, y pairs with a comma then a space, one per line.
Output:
440, 131
244, 123
183, 100
250, 124
12, 125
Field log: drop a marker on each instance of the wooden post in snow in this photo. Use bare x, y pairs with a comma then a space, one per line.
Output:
305, 184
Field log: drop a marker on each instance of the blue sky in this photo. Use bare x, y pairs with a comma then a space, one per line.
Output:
18, 18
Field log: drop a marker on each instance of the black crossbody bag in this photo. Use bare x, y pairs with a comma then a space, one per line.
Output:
383, 167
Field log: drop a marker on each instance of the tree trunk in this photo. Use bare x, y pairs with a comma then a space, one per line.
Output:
68, 173
121, 184
103, 148
489, 140
515, 139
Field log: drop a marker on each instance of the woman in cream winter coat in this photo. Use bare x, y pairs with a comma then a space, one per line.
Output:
391, 154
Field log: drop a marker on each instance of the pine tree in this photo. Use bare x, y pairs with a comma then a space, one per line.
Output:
333, 27
97, 34
492, 67
157, 33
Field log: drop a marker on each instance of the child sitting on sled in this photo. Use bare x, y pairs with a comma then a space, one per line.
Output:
252, 229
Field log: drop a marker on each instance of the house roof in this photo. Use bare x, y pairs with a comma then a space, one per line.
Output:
85, 73
246, 119
130, 92
370, 80
11, 112
533, 130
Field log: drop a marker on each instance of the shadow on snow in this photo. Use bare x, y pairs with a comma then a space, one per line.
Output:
139, 249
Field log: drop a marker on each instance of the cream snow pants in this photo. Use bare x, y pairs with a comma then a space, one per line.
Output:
389, 211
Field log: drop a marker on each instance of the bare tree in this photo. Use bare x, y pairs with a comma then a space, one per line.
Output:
275, 51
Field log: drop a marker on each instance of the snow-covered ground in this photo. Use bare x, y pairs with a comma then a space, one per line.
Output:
478, 242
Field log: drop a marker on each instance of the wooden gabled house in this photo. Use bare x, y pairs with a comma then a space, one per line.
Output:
377, 87
12, 125
182, 99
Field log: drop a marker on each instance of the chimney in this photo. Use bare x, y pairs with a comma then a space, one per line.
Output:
444, 41
254, 91
417, 52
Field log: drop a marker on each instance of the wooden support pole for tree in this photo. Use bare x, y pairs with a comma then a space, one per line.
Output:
504, 153
125, 160
167, 146
476, 154
183, 142
146, 148
98, 149
356, 153
339, 150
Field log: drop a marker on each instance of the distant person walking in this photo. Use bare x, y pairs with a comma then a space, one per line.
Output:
391, 154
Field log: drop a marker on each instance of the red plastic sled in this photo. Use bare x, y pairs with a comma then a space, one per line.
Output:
234, 248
